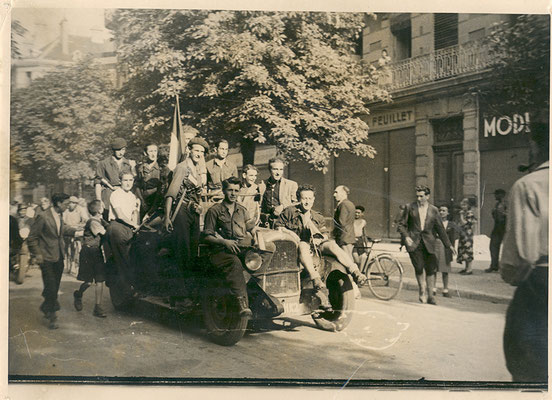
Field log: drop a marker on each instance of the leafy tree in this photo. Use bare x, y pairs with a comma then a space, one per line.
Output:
61, 124
520, 78
285, 78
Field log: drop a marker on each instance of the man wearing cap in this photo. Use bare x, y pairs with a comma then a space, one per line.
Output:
108, 173
499, 216
73, 218
183, 197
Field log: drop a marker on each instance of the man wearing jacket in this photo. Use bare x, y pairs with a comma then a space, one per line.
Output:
417, 227
276, 192
46, 245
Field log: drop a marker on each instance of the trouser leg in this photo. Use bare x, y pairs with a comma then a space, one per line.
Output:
231, 268
119, 238
187, 236
526, 330
331, 248
305, 257
51, 277
494, 247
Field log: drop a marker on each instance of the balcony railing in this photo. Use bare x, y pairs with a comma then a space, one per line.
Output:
442, 63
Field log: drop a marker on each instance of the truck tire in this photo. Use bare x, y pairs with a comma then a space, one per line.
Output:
121, 300
224, 324
342, 299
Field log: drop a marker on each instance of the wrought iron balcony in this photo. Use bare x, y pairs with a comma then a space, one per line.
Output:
440, 64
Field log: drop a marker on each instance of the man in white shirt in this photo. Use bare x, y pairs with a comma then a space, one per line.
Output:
124, 209
418, 226
524, 263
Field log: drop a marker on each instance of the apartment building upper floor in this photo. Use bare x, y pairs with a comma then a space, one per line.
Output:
424, 48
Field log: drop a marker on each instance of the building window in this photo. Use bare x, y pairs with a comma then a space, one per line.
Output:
401, 28
29, 75
445, 30
477, 34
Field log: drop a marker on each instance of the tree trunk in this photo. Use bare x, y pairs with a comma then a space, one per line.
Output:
247, 149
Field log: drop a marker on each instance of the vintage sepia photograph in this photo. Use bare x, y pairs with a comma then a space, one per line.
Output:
238, 197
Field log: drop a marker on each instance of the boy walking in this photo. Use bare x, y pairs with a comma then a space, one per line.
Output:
92, 266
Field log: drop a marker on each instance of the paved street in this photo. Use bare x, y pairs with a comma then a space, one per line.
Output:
459, 339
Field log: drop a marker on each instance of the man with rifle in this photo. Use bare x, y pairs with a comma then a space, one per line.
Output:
188, 183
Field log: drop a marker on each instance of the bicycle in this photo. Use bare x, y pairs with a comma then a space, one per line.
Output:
384, 272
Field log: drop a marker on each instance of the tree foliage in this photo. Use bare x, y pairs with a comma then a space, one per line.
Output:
62, 122
285, 78
520, 77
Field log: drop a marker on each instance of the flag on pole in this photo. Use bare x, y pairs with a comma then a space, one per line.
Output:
177, 145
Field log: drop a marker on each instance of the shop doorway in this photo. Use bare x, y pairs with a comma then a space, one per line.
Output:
448, 162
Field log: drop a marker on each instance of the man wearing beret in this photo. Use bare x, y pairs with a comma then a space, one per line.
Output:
189, 182
108, 172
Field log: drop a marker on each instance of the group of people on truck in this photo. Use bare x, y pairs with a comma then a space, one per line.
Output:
195, 193
237, 206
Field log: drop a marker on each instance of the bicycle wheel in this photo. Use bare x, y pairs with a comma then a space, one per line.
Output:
385, 275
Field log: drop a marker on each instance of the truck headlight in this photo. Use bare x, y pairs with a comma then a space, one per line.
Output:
253, 261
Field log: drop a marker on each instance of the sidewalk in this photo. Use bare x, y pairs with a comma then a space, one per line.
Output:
479, 286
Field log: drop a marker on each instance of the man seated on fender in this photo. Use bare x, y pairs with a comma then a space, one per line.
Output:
226, 229
309, 227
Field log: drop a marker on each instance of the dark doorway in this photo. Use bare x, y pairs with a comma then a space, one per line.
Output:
448, 162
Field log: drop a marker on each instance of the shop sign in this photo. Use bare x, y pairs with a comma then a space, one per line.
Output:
506, 125
390, 119
504, 131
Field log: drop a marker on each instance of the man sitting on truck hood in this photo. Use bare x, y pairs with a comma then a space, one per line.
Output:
227, 229
309, 226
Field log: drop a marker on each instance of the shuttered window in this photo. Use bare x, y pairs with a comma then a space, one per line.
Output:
445, 30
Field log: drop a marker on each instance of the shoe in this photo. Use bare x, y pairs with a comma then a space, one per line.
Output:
431, 300
52, 318
99, 312
446, 294
468, 273
423, 299
243, 307
77, 300
462, 272
491, 269
359, 278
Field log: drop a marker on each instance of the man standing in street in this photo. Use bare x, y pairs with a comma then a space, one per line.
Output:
108, 172
276, 192
47, 245
73, 218
184, 197
499, 216
344, 220
524, 263
418, 226
226, 229
219, 168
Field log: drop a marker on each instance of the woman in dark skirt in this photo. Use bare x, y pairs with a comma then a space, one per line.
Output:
92, 266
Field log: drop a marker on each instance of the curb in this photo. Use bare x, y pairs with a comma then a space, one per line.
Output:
412, 284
